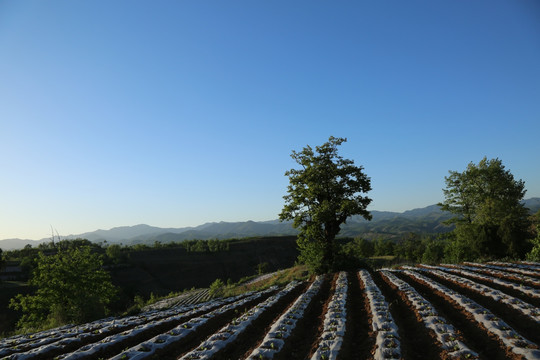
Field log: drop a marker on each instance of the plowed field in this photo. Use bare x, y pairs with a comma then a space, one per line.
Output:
468, 311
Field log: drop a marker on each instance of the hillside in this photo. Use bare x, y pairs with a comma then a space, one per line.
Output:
422, 220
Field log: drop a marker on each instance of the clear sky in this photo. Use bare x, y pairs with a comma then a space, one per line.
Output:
177, 113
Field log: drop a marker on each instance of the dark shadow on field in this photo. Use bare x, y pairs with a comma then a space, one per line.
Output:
167, 269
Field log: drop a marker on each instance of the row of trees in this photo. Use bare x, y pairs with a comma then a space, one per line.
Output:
412, 247
113, 249
490, 220
206, 245
433, 249
113, 253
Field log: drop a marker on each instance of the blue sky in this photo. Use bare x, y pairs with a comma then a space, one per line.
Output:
177, 113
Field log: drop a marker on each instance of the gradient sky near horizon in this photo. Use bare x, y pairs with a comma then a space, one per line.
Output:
177, 113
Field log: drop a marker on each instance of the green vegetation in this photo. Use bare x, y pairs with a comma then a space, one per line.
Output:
206, 245
410, 248
115, 254
262, 268
281, 278
321, 196
491, 222
2, 261
28, 256
71, 287
534, 254
217, 288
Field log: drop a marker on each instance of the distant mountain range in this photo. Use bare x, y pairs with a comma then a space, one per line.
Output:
423, 220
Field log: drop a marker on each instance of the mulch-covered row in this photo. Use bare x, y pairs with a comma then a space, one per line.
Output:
521, 323
416, 341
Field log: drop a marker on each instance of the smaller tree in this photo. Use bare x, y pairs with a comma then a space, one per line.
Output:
115, 253
491, 221
359, 247
71, 286
434, 251
410, 247
383, 247
2, 262
262, 268
217, 288
534, 254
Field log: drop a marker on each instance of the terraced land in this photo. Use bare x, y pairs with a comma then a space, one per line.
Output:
467, 311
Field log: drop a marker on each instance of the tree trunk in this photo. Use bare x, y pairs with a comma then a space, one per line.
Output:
330, 232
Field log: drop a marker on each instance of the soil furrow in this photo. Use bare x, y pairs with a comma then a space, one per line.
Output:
166, 325
416, 341
76, 341
255, 333
320, 329
357, 343
306, 332
475, 337
505, 289
186, 343
508, 277
524, 325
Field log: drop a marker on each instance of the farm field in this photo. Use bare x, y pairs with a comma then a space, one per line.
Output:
467, 311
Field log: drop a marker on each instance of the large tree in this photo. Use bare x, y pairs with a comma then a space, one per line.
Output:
72, 287
322, 194
491, 220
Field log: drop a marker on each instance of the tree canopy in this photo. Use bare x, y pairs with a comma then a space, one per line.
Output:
1, 260
322, 194
491, 221
534, 254
71, 286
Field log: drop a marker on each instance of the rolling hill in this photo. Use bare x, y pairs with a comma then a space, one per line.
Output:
422, 220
